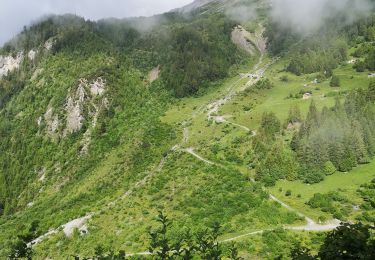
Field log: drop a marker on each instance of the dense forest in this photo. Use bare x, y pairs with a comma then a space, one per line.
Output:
106, 123
325, 50
334, 139
191, 52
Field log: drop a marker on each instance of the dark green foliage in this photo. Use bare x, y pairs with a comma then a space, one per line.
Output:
311, 175
294, 115
316, 55
160, 244
367, 192
233, 252
335, 81
278, 163
270, 125
300, 252
337, 138
359, 66
20, 248
264, 84
203, 244
332, 202
370, 60
199, 52
280, 37
275, 161
349, 242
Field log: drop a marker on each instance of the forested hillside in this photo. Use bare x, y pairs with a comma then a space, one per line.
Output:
255, 139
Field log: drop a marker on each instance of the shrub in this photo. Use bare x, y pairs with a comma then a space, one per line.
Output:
284, 78
329, 168
335, 81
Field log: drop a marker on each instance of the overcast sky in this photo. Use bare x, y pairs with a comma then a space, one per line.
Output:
14, 14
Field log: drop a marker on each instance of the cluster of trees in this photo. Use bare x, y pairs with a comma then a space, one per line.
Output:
332, 202
264, 84
22, 248
275, 160
367, 192
280, 38
200, 52
325, 49
191, 51
348, 241
341, 137
317, 55
335, 139
368, 62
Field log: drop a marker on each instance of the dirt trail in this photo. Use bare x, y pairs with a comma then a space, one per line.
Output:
191, 151
311, 224
212, 109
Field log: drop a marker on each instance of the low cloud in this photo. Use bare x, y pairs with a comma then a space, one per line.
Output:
241, 13
306, 16
14, 14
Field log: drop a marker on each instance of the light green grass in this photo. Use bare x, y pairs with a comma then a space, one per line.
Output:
348, 183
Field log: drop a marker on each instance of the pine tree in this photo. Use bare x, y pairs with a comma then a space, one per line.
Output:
312, 119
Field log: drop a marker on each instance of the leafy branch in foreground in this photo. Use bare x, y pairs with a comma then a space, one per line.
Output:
203, 244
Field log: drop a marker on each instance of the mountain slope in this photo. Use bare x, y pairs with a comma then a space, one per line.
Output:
93, 147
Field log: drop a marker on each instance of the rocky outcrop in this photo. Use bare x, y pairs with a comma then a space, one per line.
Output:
249, 42
97, 87
74, 107
10, 63
83, 106
51, 121
154, 74
31, 55
49, 44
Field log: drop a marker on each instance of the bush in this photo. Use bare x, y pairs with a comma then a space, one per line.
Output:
329, 168
288, 193
313, 176
335, 81
264, 84
359, 66
284, 78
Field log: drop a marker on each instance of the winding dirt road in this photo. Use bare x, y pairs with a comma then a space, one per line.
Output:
212, 109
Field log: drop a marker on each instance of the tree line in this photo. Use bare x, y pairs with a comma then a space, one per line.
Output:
333, 139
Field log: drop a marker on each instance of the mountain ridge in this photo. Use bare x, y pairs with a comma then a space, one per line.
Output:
103, 125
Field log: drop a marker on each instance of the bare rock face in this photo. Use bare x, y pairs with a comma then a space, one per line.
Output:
9, 63
74, 109
241, 38
31, 55
52, 122
83, 105
249, 42
154, 74
97, 87
49, 44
